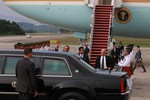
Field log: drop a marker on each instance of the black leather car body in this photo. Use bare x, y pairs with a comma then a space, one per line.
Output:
62, 76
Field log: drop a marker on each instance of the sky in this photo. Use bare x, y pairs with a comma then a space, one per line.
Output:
8, 14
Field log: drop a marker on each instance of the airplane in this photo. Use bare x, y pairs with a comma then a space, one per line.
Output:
76, 15
128, 18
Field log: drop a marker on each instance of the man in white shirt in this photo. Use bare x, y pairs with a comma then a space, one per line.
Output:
130, 47
125, 64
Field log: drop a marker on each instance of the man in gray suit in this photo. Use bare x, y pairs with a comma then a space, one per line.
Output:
138, 59
26, 77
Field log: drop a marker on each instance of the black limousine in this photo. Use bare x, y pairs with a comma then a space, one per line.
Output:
62, 76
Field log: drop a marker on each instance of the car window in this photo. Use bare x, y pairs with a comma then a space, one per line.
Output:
87, 66
55, 67
10, 64
83, 63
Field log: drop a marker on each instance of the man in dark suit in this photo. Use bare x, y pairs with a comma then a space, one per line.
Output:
83, 55
86, 48
138, 59
121, 50
115, 55
26, 77
104, 62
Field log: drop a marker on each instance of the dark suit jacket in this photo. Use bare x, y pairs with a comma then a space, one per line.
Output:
86, 50
120, 48
108, 62
138, 54
85, 58
26, 77
115, 53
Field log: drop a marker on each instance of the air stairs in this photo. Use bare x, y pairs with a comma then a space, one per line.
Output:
101, 30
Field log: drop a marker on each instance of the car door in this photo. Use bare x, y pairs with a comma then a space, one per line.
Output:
40, 83
54, 71
8, 78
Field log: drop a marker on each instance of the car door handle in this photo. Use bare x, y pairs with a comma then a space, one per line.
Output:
76, 71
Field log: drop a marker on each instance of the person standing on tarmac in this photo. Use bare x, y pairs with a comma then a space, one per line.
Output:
138, 59
26, 77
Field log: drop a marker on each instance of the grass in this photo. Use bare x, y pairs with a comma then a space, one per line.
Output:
72, 40
126, 40
136, 41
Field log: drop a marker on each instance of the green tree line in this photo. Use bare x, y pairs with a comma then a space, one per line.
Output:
10, 28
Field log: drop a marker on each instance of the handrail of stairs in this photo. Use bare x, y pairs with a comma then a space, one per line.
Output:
92, 24
94, 3
109, 35
113, 2
112, 14
111, 22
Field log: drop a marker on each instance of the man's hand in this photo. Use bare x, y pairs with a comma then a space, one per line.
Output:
109, 68
35, 93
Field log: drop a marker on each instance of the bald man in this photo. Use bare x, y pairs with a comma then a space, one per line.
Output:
104, 62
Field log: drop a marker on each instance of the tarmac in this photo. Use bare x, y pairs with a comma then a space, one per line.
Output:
141, 82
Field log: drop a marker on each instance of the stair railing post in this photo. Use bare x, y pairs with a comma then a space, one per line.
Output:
110, 26
92, 26
112, 14
112, 18
91, 37
94, 3
112, 2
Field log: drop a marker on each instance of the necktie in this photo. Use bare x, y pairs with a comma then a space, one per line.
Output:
102, 62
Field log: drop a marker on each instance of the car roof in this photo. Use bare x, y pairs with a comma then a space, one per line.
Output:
36, 52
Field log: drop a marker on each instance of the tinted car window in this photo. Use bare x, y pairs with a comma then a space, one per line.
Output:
87, 66
10, 64
55, 67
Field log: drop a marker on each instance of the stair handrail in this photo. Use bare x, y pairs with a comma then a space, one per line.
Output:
95, 2
112, 14
116, 3
110, 26
92, 25
112, 2
112, 17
